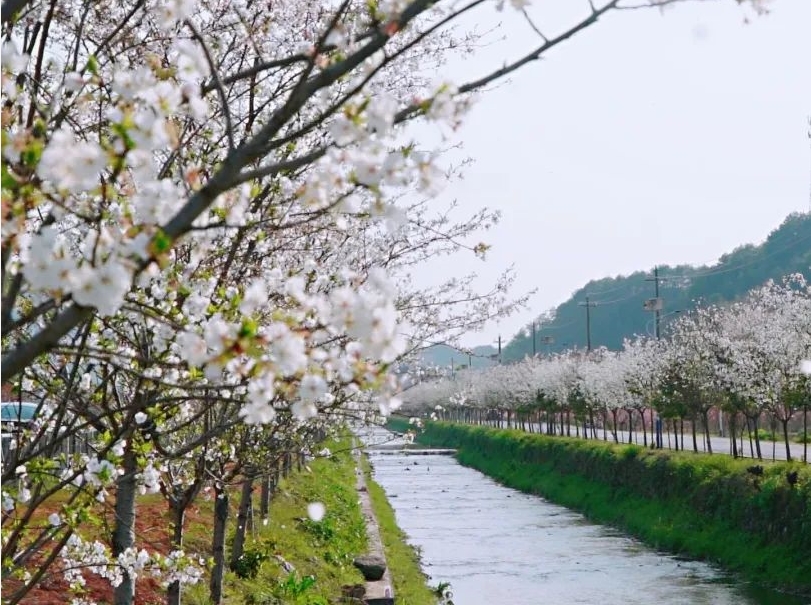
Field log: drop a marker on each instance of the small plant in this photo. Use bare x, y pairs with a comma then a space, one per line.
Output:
247, 566
631, 451
323, 530
443, 593
293, 589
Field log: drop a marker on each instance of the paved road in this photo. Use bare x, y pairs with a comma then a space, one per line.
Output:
720, 445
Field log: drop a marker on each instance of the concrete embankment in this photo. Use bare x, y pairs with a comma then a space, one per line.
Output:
750, 518
379, 588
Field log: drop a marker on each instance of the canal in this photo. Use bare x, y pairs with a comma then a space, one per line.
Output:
496, 545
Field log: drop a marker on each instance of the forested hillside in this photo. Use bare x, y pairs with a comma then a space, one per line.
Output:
617, 303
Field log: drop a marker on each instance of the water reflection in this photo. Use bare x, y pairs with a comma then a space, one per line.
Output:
496, 545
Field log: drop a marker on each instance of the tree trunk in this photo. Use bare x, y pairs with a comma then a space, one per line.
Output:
630, 426
614, 432
733, 433
179, 514
749, 433
706, 419
124, 532
805, 433
755, 423
245, 500
218, 544
785, 438
693, 430
644, 428
264, 500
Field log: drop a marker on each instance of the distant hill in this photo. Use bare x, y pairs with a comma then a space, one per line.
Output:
443, 355
618, 302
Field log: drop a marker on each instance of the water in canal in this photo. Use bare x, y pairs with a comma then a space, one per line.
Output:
498, 546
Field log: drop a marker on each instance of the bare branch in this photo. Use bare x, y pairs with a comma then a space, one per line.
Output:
535, 27
226, 111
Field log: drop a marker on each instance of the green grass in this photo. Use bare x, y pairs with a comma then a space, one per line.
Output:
708, 507
398, 424
410, 587
321, 550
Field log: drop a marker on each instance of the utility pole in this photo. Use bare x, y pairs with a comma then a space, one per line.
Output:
809, 189
657, 307
588, 306
533, 338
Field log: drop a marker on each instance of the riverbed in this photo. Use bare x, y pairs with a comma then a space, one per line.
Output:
497, 545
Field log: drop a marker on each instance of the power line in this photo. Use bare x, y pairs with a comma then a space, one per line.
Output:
721, 270
607, 290
603, 303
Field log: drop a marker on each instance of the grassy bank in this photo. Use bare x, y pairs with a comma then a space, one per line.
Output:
751, 520
321, 552
410, 587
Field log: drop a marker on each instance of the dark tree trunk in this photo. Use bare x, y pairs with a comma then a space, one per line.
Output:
245, 503
733, 433
264, 499
706, 420
756, 427
218, 544
179, 516
124, 532
749, 434
644, 428
693, 431
614, 412
785, 437
630, 426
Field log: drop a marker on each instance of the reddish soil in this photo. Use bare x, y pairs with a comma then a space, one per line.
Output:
152, 532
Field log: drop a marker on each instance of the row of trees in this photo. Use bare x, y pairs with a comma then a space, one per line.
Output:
745, 360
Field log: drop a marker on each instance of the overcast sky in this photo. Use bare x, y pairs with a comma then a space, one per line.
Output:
650, 138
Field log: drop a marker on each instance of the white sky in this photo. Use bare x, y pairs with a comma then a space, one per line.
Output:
649, 138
